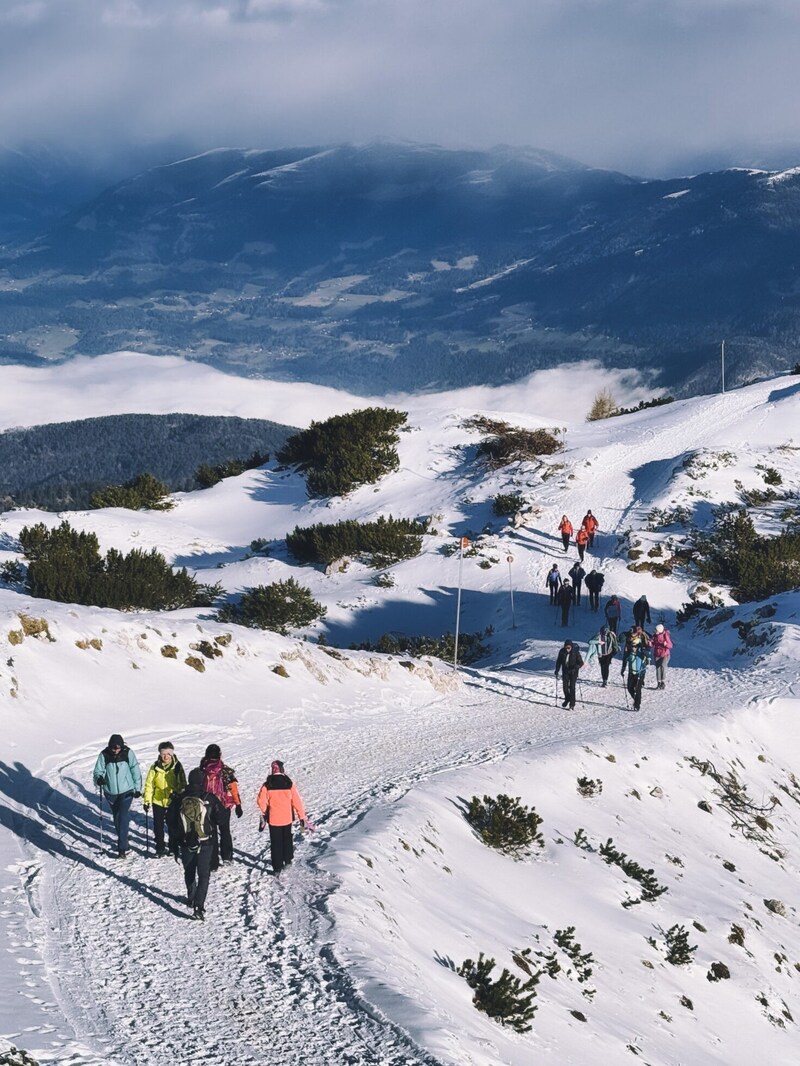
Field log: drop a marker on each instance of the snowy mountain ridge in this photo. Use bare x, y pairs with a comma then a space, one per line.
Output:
352, 953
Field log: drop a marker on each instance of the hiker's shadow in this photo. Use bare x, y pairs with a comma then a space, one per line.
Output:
58, 825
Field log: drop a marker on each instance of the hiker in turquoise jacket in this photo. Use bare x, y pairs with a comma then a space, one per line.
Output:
117, 773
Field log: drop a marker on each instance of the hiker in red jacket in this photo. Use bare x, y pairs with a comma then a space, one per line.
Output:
582, 539
279, 802
565, 529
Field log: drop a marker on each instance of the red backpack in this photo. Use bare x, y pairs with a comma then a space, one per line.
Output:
213, 781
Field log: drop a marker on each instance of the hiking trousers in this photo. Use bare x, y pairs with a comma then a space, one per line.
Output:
281, 846
594, 600
661, 670
553, 594
225, 840
569, 679
565, 614
159, 814
565, 540
635, 684
605, 663
197, 872
121, 813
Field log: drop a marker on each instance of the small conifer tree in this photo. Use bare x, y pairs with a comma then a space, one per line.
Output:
604, 406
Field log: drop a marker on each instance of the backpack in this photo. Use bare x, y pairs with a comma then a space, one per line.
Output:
611, 643
195, 821
214, 782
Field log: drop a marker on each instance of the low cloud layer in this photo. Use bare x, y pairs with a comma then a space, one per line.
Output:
632, 84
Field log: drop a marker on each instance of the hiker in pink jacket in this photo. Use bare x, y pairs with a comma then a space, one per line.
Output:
662, 646
279, 802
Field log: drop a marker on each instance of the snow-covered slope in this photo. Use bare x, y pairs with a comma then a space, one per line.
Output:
347, 956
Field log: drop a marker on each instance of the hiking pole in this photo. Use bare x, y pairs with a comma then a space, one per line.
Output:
580, 688
100, 794
556, 692
147, 833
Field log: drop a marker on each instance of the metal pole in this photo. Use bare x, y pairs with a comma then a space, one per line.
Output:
462, 544
723, 366
510, 560
100, 792
147, 832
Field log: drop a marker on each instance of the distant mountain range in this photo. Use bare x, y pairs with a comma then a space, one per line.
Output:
394, 266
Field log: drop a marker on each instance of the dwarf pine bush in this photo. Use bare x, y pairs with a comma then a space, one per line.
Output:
281, 606
679, 950
505, 823
509, 444
144, 490
508, 505
754, 566
383, 542
346, 451
207, 476
507, 999
66, 565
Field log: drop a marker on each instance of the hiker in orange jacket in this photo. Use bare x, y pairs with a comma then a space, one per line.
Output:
582, 539
279, 801
565, 529
591, 524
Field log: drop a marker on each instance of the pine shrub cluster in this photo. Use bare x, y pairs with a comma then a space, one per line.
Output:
505, 823
346, 451
207, 475
651, 889
281, 606
679, 950
508, 505
507, 999
66, 565
143, 491
383, 542
470, 646
754, 566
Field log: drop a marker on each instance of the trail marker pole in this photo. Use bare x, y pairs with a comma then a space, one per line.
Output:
722, 355
462, 545
510, 560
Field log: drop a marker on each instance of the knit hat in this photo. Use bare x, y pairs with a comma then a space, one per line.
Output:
115, 740
196, 778
277, 767
659, 628
213, 751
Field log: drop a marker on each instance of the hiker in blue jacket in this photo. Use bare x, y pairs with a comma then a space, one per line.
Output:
117, 773
635, 659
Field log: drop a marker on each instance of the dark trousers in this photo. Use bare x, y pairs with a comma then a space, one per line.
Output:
565, 613
565, 540
612, 623
591, 540
553, 594
577, 587
569, 679
635, 684
121, 813
281, 846
224, 840
159, 814
605, 663
197, 872
581, 551
594, 600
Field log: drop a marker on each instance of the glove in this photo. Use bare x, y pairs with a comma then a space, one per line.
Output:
556, 675
137, 795
238, 810
177, 856
262, 824
100, 781
146, 806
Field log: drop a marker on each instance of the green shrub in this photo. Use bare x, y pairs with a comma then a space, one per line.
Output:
651, 889
384, 542
206, 476
770, 475
504, 823
508, 505
679, 951
346, 451
143, 491
507, 999
589, 786
754, 566
281, 606
642, 405
66, 565
12, 572
470, 646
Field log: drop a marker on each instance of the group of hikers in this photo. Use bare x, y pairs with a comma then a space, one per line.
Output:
638, 646
192, 815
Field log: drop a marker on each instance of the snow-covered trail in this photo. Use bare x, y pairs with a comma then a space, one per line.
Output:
138, 981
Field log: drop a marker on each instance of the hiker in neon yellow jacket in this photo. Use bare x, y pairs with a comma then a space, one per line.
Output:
165, 777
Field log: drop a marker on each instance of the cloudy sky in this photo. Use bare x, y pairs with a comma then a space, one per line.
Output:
641, 85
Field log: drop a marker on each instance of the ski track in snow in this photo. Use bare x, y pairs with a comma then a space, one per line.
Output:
263, 957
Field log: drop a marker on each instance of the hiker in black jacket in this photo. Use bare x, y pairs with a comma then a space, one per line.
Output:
577, 573
641, 612
594, 584
568, 663
192, 819
565, 599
